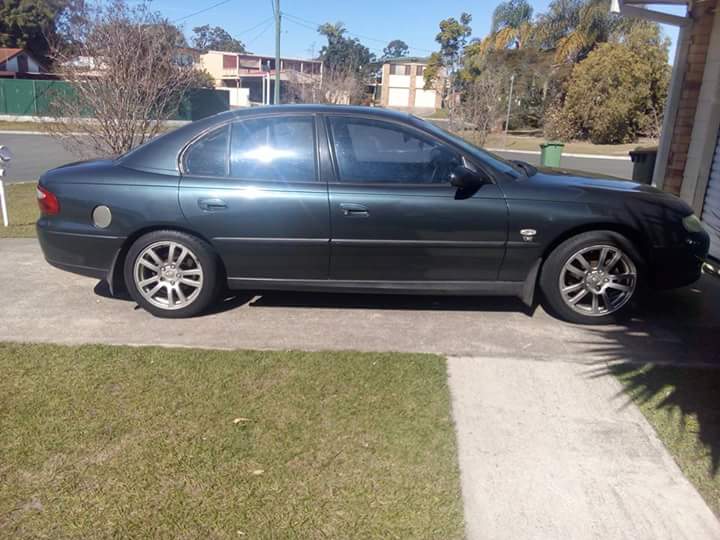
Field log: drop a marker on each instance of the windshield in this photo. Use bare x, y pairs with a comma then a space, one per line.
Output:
492, 159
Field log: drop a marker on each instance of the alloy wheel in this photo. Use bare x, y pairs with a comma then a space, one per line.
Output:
598, 280
168, 275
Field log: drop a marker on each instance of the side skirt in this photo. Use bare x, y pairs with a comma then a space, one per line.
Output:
480, 288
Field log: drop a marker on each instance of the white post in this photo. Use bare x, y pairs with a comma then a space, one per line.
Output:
5, 157
3, 204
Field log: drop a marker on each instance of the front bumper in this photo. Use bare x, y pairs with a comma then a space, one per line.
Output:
681, 265
86, 254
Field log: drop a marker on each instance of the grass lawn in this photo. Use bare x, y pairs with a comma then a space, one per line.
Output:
6, 125
23, 210
525, 142
102, 441
683, 405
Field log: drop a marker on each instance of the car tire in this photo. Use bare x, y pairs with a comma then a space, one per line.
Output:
172, 274
592, 278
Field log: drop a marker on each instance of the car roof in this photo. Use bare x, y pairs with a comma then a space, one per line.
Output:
161, 153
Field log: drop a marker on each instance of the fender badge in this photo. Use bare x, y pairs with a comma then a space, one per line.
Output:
528, 234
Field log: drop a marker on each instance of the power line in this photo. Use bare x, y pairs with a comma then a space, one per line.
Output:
260, 34
377, 40
258, 25
202, 10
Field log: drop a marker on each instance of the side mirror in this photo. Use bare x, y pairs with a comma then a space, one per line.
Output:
465, 178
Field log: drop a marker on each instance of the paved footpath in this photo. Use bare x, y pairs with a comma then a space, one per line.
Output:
554, 451
547, 449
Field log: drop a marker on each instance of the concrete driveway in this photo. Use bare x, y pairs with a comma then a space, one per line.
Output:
673, 327
548, 446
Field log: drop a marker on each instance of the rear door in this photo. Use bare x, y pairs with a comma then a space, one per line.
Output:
251, 187
394, 214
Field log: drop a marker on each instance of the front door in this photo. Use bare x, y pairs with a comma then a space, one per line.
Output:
394, 214
252, 189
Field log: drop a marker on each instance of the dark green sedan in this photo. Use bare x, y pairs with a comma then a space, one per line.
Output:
332, 198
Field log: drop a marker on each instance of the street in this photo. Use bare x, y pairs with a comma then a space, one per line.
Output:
34, 154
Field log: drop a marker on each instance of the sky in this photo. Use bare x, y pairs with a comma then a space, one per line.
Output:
374, 22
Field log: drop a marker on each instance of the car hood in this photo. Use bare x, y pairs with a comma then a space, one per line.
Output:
582, 179
600, 187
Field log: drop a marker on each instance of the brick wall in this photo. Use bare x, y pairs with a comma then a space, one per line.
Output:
702, 14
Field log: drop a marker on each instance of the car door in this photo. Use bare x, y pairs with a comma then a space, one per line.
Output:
394, 214
251, 187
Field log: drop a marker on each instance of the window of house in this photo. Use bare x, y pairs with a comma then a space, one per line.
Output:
420, 71
208, 156
399, 69
230, 61
274, 148
372, 151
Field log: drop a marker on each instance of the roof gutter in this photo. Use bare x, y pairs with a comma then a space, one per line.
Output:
639, 9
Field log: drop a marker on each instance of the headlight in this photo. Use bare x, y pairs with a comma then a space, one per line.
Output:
692, 224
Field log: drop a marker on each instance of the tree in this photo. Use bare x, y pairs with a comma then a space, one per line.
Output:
343, 53
619, 90
137, 81
397, 48
32, 24
511, 14
207, 38
512, 24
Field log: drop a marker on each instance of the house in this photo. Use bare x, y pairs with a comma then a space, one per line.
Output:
688, 160
250, 78
19, 64
403, 86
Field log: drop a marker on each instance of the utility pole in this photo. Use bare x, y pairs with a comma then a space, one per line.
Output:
507, 118
277, 52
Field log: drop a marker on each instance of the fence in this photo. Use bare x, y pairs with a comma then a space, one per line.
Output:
21, 97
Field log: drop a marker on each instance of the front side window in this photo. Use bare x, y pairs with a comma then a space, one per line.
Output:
208, 155
274, 148
372, 151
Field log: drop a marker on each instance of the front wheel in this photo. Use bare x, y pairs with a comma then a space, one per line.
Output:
171, 274
591, 278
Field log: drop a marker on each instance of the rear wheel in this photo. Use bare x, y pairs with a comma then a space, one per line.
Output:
591, 278
171, 274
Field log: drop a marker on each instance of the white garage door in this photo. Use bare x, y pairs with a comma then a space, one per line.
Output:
425, 99
399, 97
711, 207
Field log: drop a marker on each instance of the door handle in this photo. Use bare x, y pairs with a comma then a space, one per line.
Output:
212, 204
354, 210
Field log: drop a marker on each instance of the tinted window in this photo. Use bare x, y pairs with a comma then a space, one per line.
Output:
372, 151
275, 148
208, 156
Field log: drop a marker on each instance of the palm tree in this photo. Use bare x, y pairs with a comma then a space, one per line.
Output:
574, 27
512, 25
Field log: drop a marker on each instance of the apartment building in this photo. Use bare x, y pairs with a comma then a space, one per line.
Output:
250, 78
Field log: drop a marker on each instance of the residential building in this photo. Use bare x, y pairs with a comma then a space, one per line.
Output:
403, 86
688, 161
250, 78
19, 64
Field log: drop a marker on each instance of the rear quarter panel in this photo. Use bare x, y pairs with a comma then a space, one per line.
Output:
137, 200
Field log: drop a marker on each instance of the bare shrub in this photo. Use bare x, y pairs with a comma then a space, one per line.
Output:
334, 86
127, 75
479, 107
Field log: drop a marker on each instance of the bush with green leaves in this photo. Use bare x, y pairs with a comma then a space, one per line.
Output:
617, 93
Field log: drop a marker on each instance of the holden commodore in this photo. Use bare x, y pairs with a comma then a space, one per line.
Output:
353, 199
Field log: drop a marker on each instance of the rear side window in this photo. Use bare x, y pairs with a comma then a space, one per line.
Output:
274, 148
208, 156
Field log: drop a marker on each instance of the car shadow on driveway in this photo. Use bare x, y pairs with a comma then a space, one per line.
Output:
321, 300
390, 302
